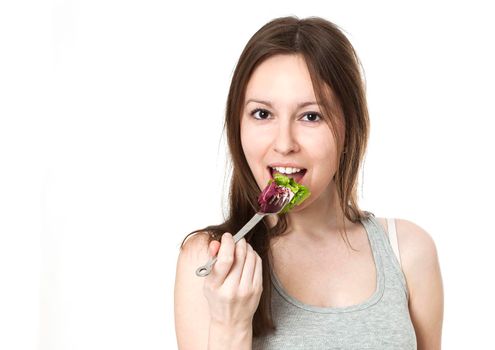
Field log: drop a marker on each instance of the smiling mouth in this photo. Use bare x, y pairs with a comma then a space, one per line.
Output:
296, 176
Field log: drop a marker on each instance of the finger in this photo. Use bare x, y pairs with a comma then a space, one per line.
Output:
225, 259
235, 273
258, 272
213, 248
246, 281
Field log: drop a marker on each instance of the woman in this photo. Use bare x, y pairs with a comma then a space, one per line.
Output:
324, 275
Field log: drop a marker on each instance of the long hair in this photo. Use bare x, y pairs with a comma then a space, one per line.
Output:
332, 62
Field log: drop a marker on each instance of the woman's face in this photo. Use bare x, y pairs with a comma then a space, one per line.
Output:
281, 125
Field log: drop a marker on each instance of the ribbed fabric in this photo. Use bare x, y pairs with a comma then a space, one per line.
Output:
381, 322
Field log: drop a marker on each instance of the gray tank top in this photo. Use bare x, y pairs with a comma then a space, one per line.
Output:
380, 322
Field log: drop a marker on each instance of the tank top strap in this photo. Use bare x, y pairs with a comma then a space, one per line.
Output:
374, 234
376, 231
386, 252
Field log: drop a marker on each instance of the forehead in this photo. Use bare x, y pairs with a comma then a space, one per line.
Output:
281, 77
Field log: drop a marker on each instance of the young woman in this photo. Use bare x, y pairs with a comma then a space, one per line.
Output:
326, 275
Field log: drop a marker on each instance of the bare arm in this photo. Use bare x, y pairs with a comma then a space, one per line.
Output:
195, 327
422, 270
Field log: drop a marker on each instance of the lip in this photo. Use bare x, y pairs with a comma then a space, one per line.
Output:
286, 165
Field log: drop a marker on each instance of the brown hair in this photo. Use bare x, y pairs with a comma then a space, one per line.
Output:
332, 62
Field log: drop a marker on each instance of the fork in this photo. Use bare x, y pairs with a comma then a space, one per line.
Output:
278, 202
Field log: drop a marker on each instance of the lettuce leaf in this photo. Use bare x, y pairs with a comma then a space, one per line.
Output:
300, 192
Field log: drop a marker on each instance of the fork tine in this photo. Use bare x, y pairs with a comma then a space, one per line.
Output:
281, 201
272, 200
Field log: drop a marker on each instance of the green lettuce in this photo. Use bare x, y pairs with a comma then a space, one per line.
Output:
300, 192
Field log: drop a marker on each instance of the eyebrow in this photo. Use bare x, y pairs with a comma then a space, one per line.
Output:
300, 105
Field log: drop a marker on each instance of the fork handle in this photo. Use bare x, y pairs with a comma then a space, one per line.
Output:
249, 225
205, 270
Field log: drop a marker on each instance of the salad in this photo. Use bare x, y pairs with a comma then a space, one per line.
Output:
278, 186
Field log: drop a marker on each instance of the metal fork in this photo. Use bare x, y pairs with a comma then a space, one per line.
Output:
277, 201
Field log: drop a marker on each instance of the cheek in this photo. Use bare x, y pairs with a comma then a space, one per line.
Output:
323, 152
254, 143
321, 146
247, 143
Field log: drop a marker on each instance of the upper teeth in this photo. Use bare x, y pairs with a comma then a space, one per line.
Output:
287, 170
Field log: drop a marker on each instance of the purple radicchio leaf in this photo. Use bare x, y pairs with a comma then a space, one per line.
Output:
271, 192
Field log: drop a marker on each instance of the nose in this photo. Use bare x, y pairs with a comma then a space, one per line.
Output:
285, 142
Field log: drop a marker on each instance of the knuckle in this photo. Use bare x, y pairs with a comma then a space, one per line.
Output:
226, 296
226, 259
241, 247
245, 293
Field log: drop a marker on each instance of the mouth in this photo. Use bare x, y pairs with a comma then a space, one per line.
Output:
296, 176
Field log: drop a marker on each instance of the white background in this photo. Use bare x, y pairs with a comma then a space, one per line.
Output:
111, 151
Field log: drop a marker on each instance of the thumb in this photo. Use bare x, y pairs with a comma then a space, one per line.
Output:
213, 248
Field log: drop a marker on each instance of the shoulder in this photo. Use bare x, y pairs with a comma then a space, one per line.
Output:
416, 246
193, 251
417, 250
419, 256
414, 241
421, 268
422, 271
191, 310
195, 247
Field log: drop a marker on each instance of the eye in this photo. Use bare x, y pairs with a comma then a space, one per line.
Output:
261, 112
312, 116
